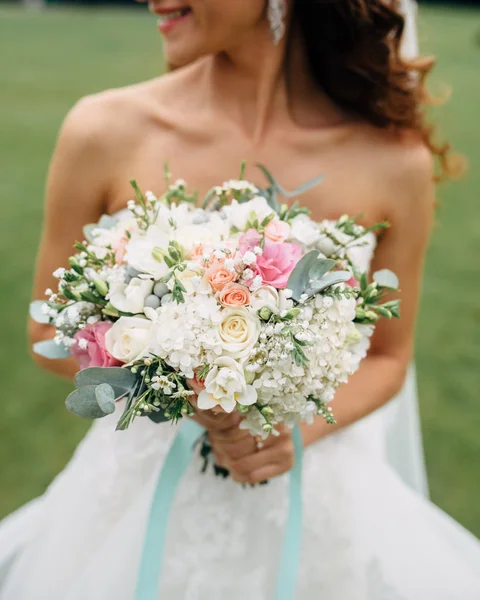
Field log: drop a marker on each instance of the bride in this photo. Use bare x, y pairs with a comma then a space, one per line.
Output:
305, 87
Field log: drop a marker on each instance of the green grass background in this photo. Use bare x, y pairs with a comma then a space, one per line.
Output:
47, 61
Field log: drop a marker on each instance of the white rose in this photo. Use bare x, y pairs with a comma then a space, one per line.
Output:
238, 331
266, 296
239, 214
131, 298
139, 251
208, 235
305, 230
225, 385
129, 338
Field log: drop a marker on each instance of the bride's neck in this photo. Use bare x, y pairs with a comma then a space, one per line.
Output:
255, 85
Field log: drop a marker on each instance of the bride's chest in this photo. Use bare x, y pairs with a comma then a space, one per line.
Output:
207, 160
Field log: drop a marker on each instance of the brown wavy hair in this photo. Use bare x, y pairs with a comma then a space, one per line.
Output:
353, 51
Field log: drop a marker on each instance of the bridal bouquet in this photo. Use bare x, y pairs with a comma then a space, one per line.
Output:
244, 298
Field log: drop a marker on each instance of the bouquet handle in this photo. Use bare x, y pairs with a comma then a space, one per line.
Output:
174, 467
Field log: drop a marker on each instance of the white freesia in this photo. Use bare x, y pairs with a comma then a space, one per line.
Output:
266, 296
239, 214
129, 338
225, 386
191, 278
139, 251
130, 298
304, 230
238, 331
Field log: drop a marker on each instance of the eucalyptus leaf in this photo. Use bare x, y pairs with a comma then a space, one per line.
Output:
271, 197
300, 190
83, 403
105, 398
50, 349
330, 279
121, 380
105, 222
320, 268
387, 279
299, 277
304, 188
37, 314
88, 232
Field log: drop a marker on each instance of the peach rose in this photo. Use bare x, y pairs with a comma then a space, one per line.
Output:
234, 294
277, 231
218, 276
197, 252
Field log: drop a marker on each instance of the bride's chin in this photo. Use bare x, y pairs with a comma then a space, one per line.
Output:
179, 55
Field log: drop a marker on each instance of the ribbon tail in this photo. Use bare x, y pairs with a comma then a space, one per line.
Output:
292, 543
174, 467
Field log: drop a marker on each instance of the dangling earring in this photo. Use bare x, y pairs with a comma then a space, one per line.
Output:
277, 10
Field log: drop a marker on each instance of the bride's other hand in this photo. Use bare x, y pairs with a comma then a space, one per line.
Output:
236, 450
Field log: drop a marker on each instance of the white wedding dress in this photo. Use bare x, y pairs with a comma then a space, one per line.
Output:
366, 534
369, 532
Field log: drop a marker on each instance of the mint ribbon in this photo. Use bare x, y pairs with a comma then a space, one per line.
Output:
174, 467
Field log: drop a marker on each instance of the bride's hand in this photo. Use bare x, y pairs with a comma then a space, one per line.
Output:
236, 450
215, 419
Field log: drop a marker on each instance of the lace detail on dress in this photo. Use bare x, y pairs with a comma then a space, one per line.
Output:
378, 589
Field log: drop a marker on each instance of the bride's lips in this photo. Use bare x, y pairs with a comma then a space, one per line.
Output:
170, 17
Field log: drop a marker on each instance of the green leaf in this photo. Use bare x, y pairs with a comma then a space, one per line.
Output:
83, 403
121, 380
320, 268
138, 192
158, 416
105, 398
394, 307
37, 314
363, 282
50, 349
208, 198
384, 312
387, 279
299, 277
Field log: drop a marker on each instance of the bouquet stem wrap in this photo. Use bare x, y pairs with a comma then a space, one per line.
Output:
174, 467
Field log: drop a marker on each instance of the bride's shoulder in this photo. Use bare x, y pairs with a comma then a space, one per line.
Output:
122, 115
402, 166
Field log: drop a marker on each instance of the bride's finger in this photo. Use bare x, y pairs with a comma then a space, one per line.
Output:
216, 422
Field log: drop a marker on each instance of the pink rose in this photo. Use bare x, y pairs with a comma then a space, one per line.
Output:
234, 294
353, 283
277, 231
218, 276
277, 260
95, 353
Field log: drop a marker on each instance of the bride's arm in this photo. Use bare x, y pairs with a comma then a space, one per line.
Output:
410, 194
75, 195
402, 249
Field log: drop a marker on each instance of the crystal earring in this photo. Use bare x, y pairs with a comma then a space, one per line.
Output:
277, 10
